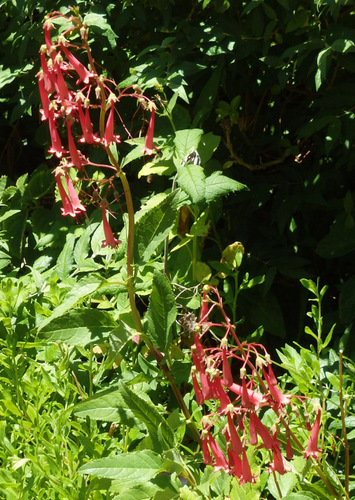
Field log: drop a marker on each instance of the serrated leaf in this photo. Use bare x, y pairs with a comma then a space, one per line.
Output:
110, 407
81, 289
218, 185
66, 259
128, 468
80, 327
187, 140
154, 226
191, 179
146, 412
161, 314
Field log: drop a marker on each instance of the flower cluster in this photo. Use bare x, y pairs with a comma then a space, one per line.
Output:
238, 406
73, 97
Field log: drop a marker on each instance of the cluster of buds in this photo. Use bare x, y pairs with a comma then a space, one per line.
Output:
72, 94
240, 404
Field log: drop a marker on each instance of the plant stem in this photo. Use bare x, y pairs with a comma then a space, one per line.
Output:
342, 412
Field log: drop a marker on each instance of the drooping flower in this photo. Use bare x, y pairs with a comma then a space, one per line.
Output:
227, 374
255, 397
148, 143
289, 451
44, 98
75, 158
220, 459
88, 136
109, 129
70, 200
47, 77
257, 427
56, 147
275, 391
312, 447
235, 441
247, 476
83, 73
109, 240
278, 465
197, 388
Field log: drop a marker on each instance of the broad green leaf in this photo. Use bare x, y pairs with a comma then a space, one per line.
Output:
154, 226
161, 314
110, 407
82, 289
66, 259
187, 140
191, 179
80, 327
302, 495
82, 247
142, 408
128, 468
218, 185
98, 22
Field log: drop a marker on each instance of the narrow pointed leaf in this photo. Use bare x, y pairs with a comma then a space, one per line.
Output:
218, 185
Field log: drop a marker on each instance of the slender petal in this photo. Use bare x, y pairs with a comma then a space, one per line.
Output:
109, 238
109, 129
278, 465
44, 98
197, 389
148, 144
220, 459
78, 207
247, 476
57, 147
234, 437
68, 208
312, 447
75, 158
83, 73
227, 374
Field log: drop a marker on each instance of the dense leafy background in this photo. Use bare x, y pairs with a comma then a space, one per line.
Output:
270, 83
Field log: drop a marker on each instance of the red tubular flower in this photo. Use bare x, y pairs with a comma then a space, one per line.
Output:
77, 206
259, 427
227, 374
48, 80
207, 459
148, 144
233, 435
278, 465
206, 389
109, 238
199, 348
247, 476
220, 459
44, 98
256, 398
204, 307
245, 396
75, 158
221, 395
197, 389
252, 429
109, 135
60, 85
312, 447
71, 203
88, 136
275, 392
289, 451
57, 147
83, 73
47, 26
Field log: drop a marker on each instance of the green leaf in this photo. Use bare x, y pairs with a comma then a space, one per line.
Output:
159, 430
98, 22
187, 140
82, 289
218, 185
154, 226
128, 468
110, 407
161, 314
80, 327
66, 258
191, 179
347, 301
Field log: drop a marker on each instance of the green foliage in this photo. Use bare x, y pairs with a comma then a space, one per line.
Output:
263, 91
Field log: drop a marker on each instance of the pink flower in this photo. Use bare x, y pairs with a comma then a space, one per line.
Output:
83, 73
109, 238
207, 459
289, 451
48, 79
312, 447
75, 158
148, 144
109, 135
206, 388
71, 203
59, 83
57, 147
